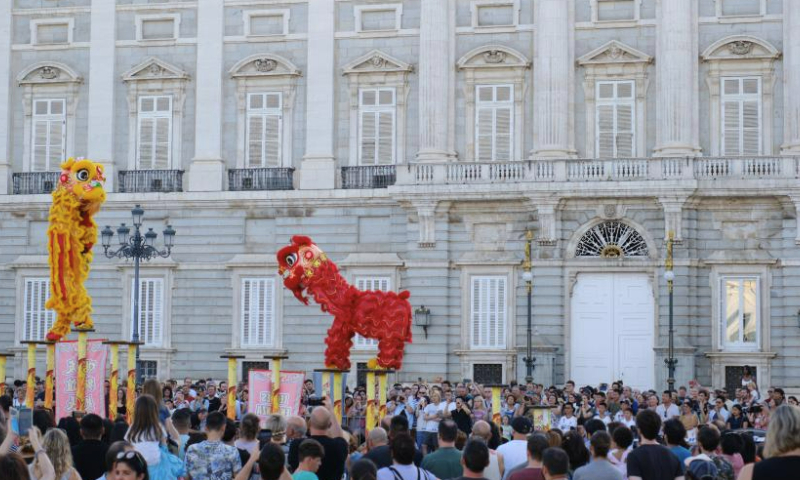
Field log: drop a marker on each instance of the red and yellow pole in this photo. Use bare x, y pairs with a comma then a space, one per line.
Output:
50, 376
372, 413
130, 393
337, 394
382, 384
275, 364
232, 384
30, 391
113, 379
496, 404
3, 363
80, 394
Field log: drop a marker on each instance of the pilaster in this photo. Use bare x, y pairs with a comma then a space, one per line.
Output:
318, 169
5, 99
436, 92
547, 212
553, 73
791, 80
673, 215
677, 79
207, 171
101, 93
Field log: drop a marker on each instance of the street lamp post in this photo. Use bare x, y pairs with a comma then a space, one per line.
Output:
527, 277
669, 276
137, 247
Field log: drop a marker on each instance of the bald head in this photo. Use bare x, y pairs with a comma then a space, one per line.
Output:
295, 427
482, 429
320, 421
377, 437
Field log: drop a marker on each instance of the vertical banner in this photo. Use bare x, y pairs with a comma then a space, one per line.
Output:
3, 360
231, 401
67, 377
113, 382
276, 384
49, 374
260, 385
31, 380
130, 391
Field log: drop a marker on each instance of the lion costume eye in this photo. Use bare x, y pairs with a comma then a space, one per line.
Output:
291, 259
82, 175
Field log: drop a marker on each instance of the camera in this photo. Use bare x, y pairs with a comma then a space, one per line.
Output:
264, 437
316, 401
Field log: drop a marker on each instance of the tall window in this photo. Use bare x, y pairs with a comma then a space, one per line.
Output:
258, 312
739, 312
376, 133
741, 116
151, 311
494, 122
38, 320
154, 142
264, 126
370, 283
48, 145
488, 312
615, 106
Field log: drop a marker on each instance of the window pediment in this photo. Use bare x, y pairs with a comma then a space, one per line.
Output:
493, 56
48, 73
264, 65
740, 47
614, 52
154, 69
377, 62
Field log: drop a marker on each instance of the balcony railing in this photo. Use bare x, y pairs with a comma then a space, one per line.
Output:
31, 183
594, 170
372, 176
243, 179
145, 181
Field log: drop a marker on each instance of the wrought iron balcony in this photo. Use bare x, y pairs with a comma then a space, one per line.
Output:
599, 170
144, 181
243, 179
31, 183
372, 176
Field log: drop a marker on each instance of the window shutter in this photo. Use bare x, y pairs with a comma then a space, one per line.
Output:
731, 129
255, 140
483, 129
614, 119
272, 140
48, 127
488, 312
624, 131
258, 312
374, 284
605, 131
151, 311
503, 134
751, 127
741, 116
376, 126
494, 123
264, 128
155, 133
38, 320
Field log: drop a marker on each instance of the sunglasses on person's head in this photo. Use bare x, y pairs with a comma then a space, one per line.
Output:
130, 455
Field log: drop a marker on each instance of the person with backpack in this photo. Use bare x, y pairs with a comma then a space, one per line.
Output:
698, 466
403, 448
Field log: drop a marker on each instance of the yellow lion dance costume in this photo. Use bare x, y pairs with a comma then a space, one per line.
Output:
71, 235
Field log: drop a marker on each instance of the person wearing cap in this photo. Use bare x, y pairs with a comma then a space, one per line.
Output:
515, 452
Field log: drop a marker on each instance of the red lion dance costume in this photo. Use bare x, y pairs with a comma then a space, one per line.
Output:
71, 235
384, 316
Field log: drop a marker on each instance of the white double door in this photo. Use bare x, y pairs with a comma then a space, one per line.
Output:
611, 330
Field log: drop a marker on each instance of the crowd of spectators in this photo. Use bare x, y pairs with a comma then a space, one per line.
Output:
432, 431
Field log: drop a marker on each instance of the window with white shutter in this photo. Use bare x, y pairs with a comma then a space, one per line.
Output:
151, 311
376, 132
741, 116
739, 306
614, 119
38, 319
49, 135
258, 312
494, 122
488, 312
374, 284
154, 139
264, 127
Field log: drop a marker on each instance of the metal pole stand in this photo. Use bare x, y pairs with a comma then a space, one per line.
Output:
232, 384
497, 389
275, 367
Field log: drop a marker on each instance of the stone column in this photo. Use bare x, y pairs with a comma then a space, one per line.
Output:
207, 171
553, 73
436, 67
677, 79
318, 169
101, 94
791, 80
5, 99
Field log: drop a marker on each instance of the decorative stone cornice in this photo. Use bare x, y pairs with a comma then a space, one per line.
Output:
45, 73
154, 69
614, 52
493, 56
377, 61
738, 47
264, 65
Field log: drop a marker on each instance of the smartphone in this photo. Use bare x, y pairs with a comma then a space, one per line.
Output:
21, 421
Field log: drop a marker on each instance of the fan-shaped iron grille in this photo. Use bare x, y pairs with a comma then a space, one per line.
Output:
611, 240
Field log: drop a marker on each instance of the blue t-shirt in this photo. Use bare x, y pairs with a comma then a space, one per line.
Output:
304, 475
681, 452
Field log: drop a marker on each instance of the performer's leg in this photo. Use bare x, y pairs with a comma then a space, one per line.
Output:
339, 341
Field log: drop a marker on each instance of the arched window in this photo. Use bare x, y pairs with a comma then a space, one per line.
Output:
611, 239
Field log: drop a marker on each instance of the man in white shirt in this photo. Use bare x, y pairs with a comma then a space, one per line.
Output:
667, 409
515, 452
568, 421
719, 411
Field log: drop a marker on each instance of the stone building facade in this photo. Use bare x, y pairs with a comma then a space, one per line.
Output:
417, 141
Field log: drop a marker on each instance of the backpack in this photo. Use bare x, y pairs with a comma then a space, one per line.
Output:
702, 470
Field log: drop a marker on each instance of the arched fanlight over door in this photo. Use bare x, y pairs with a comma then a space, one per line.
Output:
611, 239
